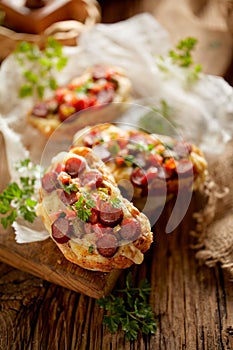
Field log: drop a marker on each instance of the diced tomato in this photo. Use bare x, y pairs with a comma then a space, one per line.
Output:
119, 160
109, 85
170, 164
65, 111
64, 178
92, 101
70, 98
81, 104
60, 93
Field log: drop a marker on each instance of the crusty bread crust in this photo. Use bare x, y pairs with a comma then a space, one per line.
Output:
89, 116
127, 253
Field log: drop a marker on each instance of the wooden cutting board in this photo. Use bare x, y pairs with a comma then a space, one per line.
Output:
44, 259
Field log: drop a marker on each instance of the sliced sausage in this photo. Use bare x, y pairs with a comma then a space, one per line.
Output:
60, 230
107, 245
92, 178
130, 229
109, 215
74, 166
40, 110
67, 198
49, 181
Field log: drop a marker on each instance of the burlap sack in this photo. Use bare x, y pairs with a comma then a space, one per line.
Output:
215, 222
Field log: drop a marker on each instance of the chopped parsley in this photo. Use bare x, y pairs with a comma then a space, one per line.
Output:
18, 199
181, 56
116, 202
38, 66
90, 249
129, 310
70, 188
83, 207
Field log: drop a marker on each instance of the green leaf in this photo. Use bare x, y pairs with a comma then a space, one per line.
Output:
70, 188
116, 202
61, 63
25, 91
90, 249
52, 84
83, 207
40, 90
31, 77
130, 311
17, 199
38, 66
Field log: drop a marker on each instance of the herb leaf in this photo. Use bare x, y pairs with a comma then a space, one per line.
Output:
116, 202
131, 312
41, 66
18, 199
182, 57
83, 207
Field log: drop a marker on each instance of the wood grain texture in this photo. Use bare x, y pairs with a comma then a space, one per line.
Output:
193, 305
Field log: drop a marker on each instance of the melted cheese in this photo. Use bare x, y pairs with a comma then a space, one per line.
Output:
132, 253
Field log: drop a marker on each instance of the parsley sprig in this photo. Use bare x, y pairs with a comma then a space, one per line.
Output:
39, 66
18, 199
72, 187
83, 207
131, 311
182, 57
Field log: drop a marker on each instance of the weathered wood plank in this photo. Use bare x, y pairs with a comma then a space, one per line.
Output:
45, 260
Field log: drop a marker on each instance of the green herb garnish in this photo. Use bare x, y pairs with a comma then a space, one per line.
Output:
114, 148
182, 57
83, 207
116, 202
129, 159
182, 53
69, 188
90, 249
83, 89
131, 311
17, 200
39, 66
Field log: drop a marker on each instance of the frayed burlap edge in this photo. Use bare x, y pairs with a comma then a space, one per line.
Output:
213, 229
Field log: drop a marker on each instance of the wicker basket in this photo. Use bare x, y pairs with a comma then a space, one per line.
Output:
67, 32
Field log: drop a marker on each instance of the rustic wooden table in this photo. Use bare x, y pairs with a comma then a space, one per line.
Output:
193, 304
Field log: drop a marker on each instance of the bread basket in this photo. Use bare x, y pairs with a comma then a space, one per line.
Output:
67, 32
